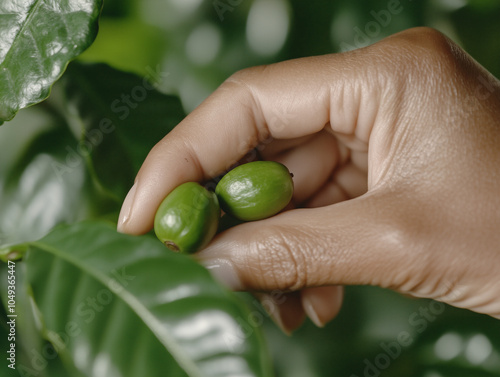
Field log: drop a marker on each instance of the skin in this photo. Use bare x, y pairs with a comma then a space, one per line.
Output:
395, 150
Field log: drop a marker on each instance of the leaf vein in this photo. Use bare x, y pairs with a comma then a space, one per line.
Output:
26, 22
153, 323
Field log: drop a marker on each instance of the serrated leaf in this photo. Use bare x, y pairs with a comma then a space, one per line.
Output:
38, 39
121, 116
119, 305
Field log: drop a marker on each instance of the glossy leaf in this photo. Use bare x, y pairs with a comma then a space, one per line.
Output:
28, 344
121, 115
38, 39
119, 305
46, 186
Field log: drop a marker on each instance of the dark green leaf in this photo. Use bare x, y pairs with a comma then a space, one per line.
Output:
122, 117
372, 328
38, 39
29, 346
119, 305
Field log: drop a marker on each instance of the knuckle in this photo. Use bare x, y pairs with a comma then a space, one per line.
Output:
417, 64
421, 37
423, 51
418, 55
244, 89
246, 85
246, 76
421, 44
280, 259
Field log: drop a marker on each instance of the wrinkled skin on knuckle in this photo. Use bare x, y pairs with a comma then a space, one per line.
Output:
422, 48
278, 256
438, 111
451, 105
439, 68
433, 65
420, 61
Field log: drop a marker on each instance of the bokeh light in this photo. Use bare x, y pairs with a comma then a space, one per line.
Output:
449, 346
267, 26
203, 44
478, 349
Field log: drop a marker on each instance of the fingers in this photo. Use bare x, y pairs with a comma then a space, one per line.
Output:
311, 164
284, 308
288, 310
283, 101
348, 93
322, 304
354, 242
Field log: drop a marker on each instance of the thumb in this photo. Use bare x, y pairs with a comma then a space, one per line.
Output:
352, 242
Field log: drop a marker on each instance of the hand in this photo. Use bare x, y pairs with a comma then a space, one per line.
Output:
395, 151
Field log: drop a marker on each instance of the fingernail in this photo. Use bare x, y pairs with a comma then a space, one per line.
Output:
223, 271
126, 209
311, 311
276, 317
274, 313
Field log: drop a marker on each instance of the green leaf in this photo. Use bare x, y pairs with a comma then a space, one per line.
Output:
67, 177
28, 344
39, 38
109, 46
119, 305
47, 185
120, 117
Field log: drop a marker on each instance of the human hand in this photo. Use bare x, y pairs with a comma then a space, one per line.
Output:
395, 151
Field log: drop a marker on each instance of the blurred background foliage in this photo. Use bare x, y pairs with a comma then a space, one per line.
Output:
199, 43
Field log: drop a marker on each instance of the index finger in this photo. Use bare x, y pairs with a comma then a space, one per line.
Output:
284, 100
